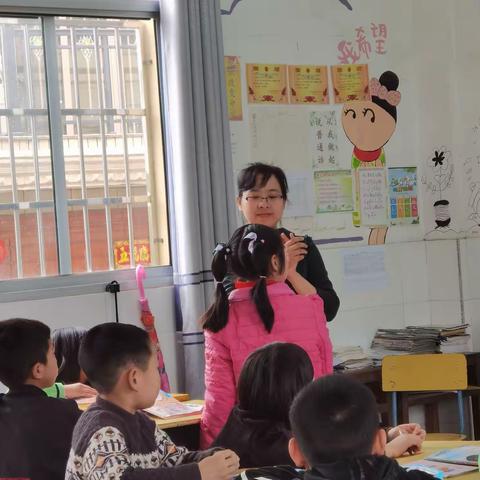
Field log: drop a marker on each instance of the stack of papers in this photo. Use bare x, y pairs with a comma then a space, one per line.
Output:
169, 407
350, 357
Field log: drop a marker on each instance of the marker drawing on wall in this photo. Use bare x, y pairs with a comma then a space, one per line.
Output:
471, 167
437, 180
324, 140
231, 4
369, 125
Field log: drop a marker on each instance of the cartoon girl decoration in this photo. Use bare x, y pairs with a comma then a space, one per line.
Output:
369, 125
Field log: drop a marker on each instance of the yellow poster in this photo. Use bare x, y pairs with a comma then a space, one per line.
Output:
267, 83
308, 84
233, 86
350, 82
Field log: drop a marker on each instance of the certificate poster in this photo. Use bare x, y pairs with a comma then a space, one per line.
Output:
373, 196
267, 83
233, 86
308, 84
350, 82
402, 190
333, 191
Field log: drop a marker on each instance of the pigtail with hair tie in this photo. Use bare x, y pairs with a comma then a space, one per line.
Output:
216, 317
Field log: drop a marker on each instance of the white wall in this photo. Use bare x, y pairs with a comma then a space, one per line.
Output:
90, 310
424, 276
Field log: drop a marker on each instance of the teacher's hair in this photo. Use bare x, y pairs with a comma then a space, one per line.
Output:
258, 174
247, 256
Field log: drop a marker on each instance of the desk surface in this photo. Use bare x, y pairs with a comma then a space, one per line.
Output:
163, 423
430, 447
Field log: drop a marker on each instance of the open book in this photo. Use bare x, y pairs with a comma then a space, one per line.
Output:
168, 407
449, 462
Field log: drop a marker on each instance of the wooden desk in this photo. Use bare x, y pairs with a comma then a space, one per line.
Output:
184, 431
372, 378
430, 447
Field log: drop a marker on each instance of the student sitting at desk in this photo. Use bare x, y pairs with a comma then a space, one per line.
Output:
35, 430
114, 438
258, 428
262, 309
71, 379
336, 434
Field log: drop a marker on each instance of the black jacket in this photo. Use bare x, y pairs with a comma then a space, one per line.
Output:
257, 442
312, 269
363, 468
35, 434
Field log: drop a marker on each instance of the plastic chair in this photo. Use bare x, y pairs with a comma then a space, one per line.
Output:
425, 373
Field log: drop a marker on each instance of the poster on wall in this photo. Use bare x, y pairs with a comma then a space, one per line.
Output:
233, 86
300, 194
324, 140
402, 190
333, 191
308, 84
373, 196
350, 82
267, 83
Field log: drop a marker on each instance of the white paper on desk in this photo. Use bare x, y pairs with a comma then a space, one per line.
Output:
445, 469
364, 269
173, 409
300, 194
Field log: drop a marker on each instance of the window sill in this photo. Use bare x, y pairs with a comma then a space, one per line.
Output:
80, 284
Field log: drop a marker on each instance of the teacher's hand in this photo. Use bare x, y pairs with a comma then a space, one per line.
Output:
295, 250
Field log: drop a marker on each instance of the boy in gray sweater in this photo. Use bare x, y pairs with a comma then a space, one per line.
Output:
114, 439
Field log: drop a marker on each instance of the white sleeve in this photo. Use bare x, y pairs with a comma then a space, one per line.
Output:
170, 454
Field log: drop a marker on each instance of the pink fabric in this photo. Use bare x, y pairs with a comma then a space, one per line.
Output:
299, 319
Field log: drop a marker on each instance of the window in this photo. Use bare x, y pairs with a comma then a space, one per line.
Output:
82, 184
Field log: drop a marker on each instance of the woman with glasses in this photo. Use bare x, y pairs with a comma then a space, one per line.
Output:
262, 195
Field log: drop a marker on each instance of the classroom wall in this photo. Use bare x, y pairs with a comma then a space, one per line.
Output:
430, 276
90, 310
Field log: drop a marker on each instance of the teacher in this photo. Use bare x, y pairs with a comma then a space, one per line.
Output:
262, 195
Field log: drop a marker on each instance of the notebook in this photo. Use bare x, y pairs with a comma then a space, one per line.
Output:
169, 407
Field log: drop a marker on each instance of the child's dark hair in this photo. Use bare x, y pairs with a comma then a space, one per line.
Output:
270, 379
247, 256
334, 418
110, 347
23, 343
390, 81
261, 172
67, 343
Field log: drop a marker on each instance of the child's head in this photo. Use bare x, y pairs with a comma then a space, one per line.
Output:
254, 253
67, 343
270, 379
119, 360
26, 354
334, 418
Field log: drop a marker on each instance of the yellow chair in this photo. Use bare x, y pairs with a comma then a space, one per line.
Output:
425, 373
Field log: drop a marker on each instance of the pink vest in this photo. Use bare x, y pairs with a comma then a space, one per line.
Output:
299, 319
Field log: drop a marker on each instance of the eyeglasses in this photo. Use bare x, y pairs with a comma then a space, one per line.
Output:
268, 199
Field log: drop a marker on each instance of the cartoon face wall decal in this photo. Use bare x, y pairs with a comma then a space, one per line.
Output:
369, 125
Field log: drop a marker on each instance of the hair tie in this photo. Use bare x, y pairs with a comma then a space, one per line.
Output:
252, 236
392, 97
262, 276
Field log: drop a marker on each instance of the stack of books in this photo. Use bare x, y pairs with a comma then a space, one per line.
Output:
350, 357
388, 341
428, 339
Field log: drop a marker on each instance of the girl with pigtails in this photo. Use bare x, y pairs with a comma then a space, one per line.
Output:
260, 310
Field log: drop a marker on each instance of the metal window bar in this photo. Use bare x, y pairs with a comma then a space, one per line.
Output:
125, 147
150, 210
86, 223
106, 192
56, 146
33, 123
13, 173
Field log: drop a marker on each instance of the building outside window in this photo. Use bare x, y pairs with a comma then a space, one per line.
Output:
101, 104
